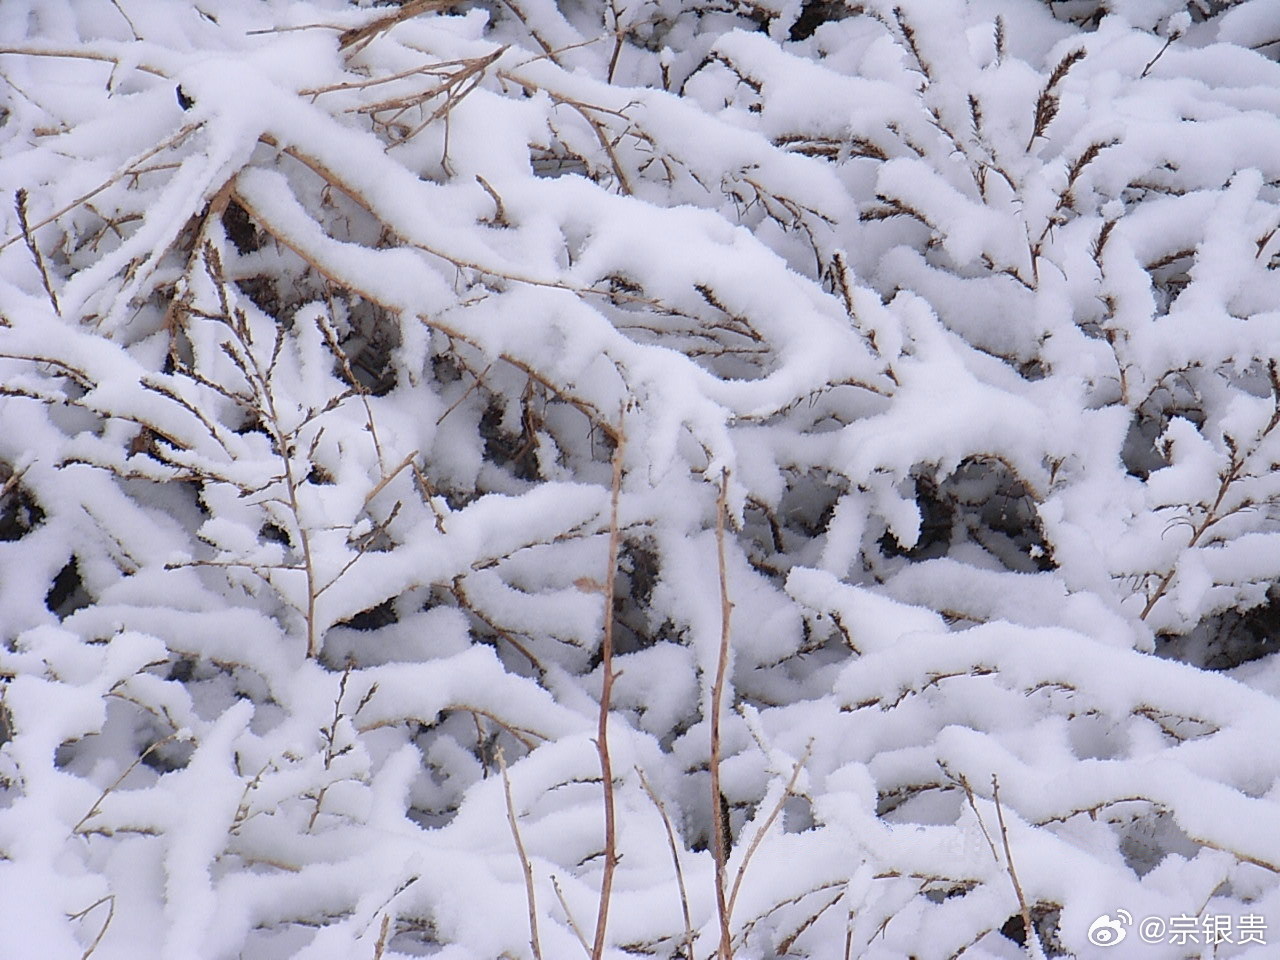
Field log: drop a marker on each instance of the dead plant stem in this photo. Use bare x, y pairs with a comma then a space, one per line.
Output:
1032, 937
20, 204
525, 865
675, 859
719, 843
606, 692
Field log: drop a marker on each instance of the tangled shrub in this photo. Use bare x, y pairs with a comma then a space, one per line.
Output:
638, 478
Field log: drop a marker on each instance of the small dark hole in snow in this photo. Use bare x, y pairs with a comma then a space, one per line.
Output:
240, 229
1045, 918
19, 514
168, 757
65, 753
67, 594
271, 531
982, 501
375, 618
415, 938
814, 14
182, 670
1229, 639
264, 293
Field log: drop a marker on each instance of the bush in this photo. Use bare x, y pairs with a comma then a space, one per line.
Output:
638, 478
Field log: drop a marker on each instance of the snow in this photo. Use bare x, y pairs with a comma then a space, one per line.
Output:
940, 369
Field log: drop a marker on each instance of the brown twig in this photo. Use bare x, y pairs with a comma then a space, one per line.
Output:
719, 840
1154, 60
754, 845
360, 36
125, 171
127, 19
110, 901
606, 691
97, 804
20, 204
260, 381
79, 53
381, 945
785, 945
499, 218
381, 484
675, 859
619, 36
573, 923
1047, 102
330, 734
1032, 935
525, 865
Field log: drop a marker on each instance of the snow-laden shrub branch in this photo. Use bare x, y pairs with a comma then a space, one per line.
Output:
893, 385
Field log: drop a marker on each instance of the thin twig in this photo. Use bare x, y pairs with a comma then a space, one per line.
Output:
1032, 935
127, 19
675, 859
763, 831
96, 808
1152, 62
125, 171
110, 901
335, 347
330, 734
719, 840
573, 923
525, 865
381, 945
499, 218
973, 805
606, 691
261, 383
20, 204
79, 53
359, 36
784, 947
381, 484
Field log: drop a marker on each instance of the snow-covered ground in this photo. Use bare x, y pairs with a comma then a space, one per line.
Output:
902, 378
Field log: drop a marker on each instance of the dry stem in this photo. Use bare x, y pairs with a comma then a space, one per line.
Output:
525, 865
1032, 936
719, 840
675, 859
381, 945
124, 171
110, 901
358, 37
754, 845
97, 804
20, 204
606, 690
573, 923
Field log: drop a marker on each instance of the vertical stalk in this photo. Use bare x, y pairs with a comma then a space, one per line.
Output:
606, 692
719, 840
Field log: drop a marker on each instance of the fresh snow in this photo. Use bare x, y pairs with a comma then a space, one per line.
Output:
934, 340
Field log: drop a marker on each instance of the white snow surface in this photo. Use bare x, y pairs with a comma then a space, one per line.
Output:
937, 343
